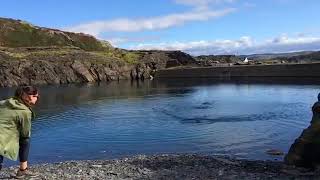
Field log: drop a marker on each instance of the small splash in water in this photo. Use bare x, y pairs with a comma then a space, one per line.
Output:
205, 105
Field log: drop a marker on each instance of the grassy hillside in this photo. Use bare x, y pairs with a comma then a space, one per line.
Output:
310, 57
21, 40
268, 56
16, 33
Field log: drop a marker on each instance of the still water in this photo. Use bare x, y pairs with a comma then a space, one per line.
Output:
120, 119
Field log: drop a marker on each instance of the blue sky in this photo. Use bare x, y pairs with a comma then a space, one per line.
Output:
193, 26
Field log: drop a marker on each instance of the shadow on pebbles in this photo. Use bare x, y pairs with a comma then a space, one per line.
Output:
167, 167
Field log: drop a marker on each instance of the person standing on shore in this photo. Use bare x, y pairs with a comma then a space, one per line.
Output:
15, 127
305, 151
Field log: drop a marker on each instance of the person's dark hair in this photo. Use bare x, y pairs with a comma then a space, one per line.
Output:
319, 97
29, 90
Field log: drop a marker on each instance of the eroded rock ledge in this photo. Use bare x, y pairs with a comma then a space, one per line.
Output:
63, 65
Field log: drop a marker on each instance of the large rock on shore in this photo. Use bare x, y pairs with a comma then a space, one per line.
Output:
304, 151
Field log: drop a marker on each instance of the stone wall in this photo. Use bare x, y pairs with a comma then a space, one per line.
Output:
280, 70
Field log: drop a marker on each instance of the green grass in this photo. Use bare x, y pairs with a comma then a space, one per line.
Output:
128, 57
19, 34
16, 55
14, 33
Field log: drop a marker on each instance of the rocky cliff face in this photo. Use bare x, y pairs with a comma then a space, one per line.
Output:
36, 55
70, 65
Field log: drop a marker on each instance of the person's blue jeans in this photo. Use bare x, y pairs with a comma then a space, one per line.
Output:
1, 161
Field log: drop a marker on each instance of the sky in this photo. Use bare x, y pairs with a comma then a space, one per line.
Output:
198, 27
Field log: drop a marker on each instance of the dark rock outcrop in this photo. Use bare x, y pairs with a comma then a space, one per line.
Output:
63, 65
166, 59
304, 152
214, 60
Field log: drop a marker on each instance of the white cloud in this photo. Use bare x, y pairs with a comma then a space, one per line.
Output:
162, 22
202, 4
244, 45
249, 5
116, 41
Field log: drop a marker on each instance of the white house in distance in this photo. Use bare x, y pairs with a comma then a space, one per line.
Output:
246, 60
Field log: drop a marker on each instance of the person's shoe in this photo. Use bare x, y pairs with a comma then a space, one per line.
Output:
26, 173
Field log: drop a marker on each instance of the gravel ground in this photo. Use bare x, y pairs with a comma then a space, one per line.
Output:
167, 167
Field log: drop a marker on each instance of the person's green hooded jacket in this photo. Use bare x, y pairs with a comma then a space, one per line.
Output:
15, 122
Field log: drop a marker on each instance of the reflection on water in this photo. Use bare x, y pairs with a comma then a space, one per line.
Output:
101, 121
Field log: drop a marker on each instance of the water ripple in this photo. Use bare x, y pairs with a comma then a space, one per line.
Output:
226, 119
